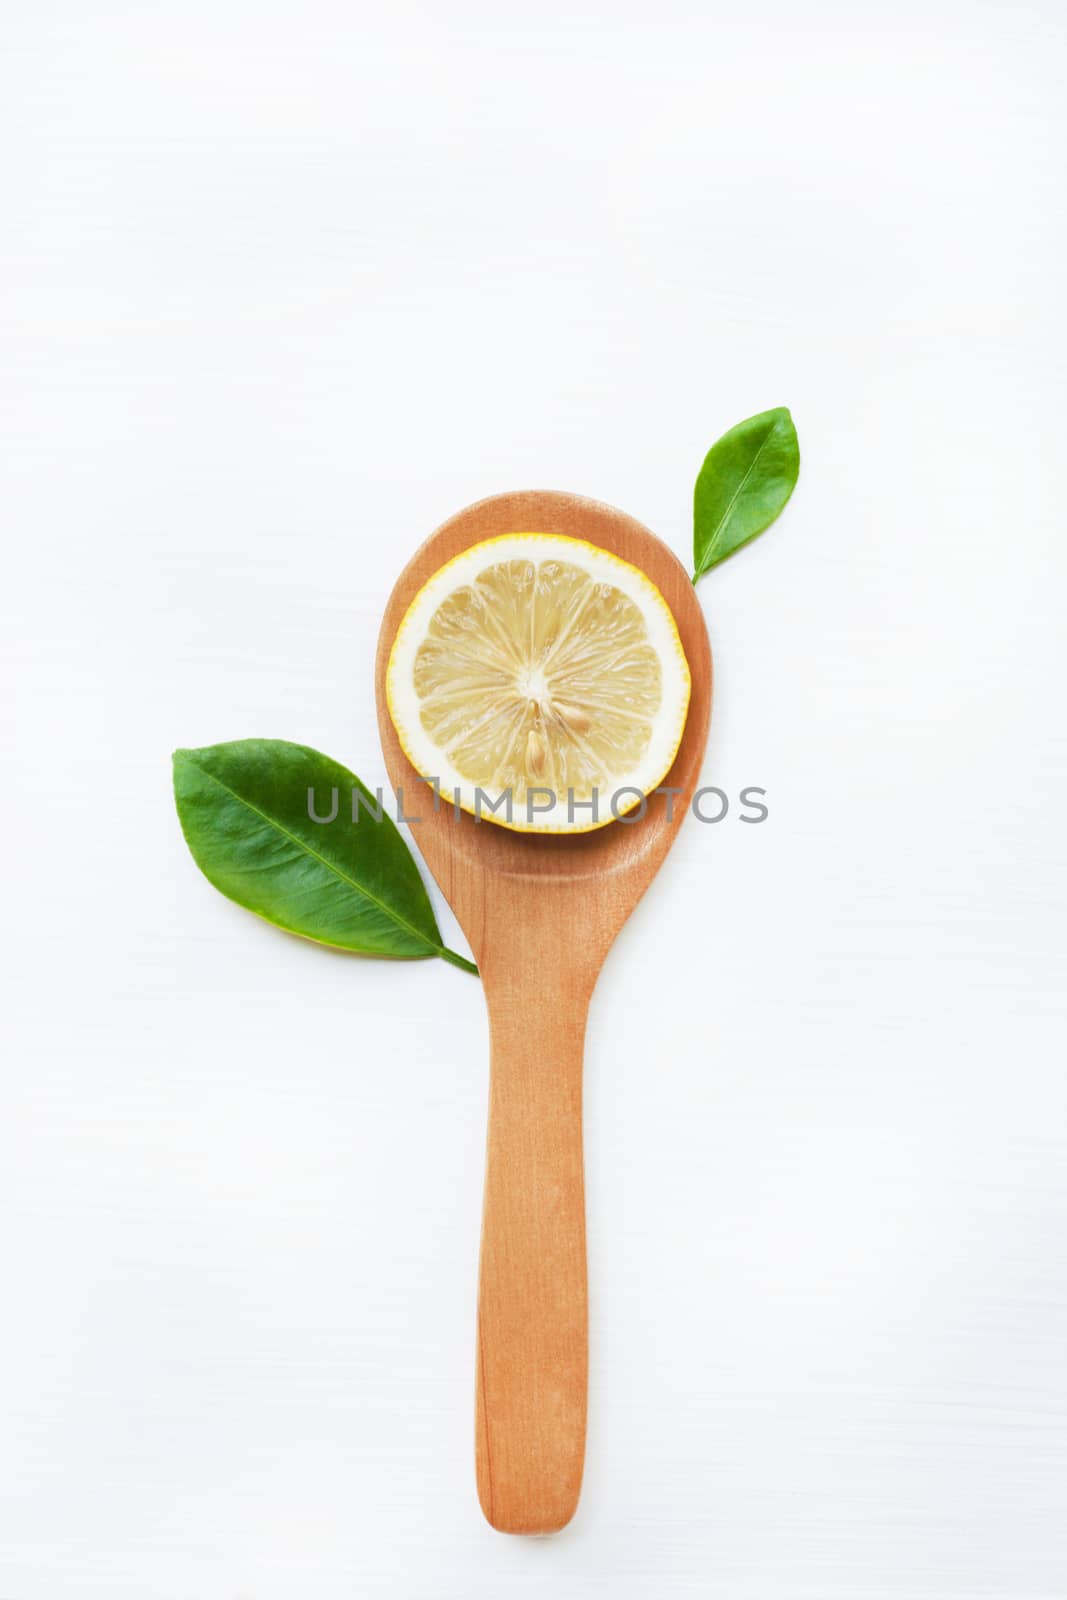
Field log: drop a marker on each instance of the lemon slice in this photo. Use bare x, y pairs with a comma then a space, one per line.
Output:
539, 682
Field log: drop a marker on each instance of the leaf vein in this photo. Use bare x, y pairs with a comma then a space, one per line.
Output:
733, 498
330, 866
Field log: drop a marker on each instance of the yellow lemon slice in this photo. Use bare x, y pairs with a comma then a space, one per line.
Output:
539, 682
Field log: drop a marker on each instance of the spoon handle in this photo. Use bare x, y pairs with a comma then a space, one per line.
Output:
532, 1299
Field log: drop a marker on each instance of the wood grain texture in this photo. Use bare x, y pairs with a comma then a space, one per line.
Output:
540, 914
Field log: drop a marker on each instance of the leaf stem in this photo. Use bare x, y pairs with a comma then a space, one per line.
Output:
457, 960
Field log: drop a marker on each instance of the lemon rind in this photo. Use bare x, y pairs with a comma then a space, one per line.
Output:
403, 702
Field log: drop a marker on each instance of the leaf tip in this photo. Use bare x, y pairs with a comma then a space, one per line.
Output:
784, 415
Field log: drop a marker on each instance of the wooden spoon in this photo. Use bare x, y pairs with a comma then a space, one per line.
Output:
540, 914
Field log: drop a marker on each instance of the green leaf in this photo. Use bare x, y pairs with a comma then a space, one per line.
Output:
746, 479
244, 809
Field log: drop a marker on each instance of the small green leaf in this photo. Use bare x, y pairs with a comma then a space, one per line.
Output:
746, 479
245, 812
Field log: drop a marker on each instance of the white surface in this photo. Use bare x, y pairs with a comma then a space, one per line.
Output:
263, 265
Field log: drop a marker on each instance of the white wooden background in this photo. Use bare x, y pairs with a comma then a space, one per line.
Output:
284, 285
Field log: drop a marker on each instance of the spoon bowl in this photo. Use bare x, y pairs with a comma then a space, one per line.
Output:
540, 913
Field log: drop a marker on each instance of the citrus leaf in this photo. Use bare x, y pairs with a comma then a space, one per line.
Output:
245, 809
747, 477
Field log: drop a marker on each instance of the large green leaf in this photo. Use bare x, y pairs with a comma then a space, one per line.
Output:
746, 479
244, 810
